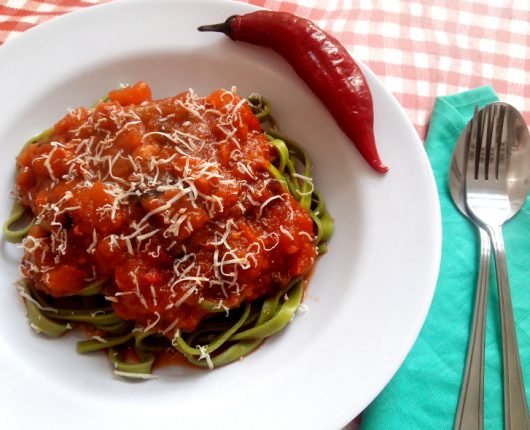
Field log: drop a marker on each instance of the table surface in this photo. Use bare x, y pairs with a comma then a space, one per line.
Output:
419, 49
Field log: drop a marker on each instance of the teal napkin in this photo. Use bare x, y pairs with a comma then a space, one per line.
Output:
424, 392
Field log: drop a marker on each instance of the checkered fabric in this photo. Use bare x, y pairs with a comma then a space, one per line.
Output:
420, 49
17, 16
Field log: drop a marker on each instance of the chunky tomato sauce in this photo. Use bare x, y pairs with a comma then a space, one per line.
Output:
170, 200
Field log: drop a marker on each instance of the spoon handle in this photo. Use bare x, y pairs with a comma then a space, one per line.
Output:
470, 411
515, 403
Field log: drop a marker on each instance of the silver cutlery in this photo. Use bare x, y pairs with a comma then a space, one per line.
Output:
470, 411
497, 182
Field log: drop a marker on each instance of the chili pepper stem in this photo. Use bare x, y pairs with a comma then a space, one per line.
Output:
223, 27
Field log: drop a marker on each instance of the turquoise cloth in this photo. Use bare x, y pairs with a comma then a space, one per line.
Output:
424, 392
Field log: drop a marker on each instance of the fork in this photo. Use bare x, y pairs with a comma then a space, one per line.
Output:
488, 202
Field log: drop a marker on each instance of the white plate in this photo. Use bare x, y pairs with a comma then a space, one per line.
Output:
367, 300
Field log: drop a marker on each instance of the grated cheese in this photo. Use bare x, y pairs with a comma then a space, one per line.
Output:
157, 192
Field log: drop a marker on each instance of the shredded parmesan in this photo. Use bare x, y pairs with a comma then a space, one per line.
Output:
205, 356
135, 375
178, 192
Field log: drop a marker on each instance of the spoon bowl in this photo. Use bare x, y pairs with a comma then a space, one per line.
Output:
518, 175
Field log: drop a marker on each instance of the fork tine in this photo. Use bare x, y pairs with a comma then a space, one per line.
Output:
484, 137
479, 153
471, 148
501, 136
488, 115
468, 150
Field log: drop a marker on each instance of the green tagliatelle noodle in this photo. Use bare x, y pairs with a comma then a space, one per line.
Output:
218, 340
17, 225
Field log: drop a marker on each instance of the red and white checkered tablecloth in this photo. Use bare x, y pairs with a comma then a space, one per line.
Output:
420, 49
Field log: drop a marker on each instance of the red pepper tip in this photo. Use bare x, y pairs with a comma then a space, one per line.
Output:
378, 166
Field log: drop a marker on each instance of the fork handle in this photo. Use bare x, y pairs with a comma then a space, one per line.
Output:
470, 411
515, 403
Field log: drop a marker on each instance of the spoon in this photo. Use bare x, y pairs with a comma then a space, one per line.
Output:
470, 411
471, 403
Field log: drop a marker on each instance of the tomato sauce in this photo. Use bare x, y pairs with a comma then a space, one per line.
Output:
171, 200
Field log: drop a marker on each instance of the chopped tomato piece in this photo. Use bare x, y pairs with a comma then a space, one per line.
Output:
134, 95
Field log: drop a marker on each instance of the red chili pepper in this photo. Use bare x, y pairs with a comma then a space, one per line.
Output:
322, 62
